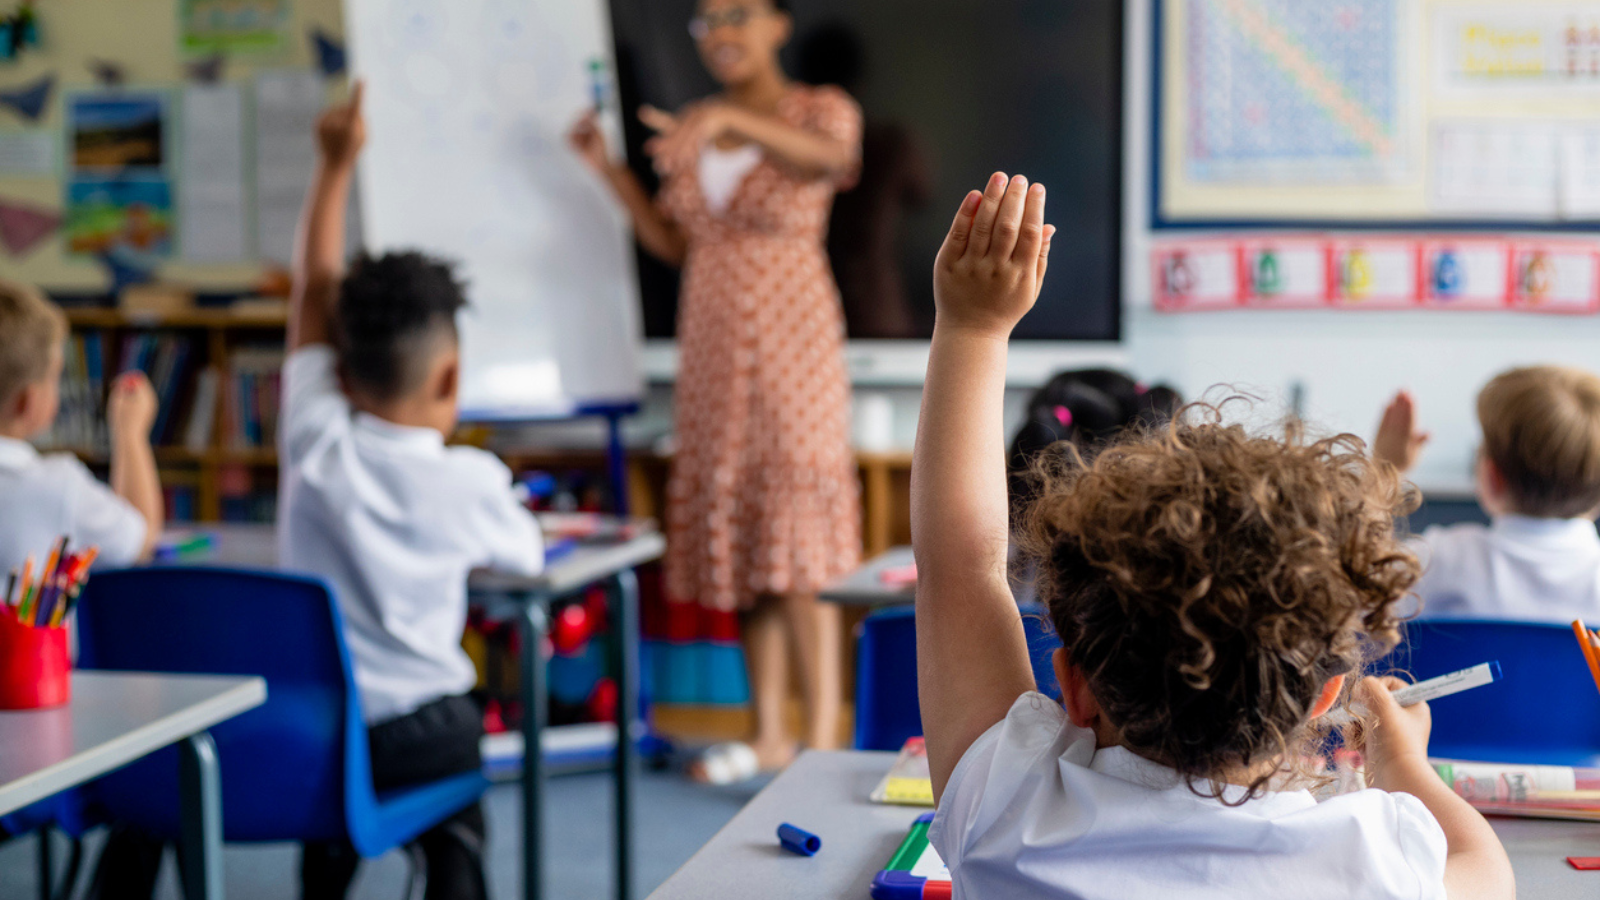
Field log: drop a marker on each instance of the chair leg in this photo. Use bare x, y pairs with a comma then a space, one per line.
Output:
417, 884
47, 864
69, 878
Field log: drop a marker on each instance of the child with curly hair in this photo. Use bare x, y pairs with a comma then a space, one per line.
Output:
1216, 592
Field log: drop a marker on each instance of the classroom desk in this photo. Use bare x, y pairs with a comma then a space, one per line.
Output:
826, 794
865, 587
527, 601
115, 718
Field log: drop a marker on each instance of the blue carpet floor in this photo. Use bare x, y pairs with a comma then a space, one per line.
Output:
674, 819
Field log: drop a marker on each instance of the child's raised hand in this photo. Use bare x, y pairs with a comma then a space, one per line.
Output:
131, 409
342, 131
1398, 442
993, 261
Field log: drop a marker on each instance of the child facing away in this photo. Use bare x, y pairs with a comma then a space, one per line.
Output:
1538, 478
43, 497
376, 503
1214, 591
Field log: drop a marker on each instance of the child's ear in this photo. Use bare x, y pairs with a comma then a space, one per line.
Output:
1330, 695
1083, 708
449, 378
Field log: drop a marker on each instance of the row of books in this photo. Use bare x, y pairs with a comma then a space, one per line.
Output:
245, 389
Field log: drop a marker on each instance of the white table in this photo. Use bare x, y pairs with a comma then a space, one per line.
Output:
527, 601
826, 794
865, 587
115, 718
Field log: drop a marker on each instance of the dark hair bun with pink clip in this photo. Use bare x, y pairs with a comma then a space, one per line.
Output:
1086, 407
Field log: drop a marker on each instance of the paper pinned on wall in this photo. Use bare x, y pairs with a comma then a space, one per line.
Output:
1466, 274
1556, 277
211, 199
1286, 272
1198, 276
287, 104
1496, 170
27, 154
1373, 273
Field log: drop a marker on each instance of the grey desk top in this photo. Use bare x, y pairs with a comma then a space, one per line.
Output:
113, 719
823, 793
826, 794
255, 547
865, 587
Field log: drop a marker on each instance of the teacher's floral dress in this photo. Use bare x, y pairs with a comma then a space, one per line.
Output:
763, 496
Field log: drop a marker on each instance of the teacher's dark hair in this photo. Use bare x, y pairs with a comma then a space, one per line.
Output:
393, 312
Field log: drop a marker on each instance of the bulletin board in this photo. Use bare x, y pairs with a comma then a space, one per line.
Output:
1377, 113
194, 165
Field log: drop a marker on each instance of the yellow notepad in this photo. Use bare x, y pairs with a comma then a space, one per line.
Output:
908, 782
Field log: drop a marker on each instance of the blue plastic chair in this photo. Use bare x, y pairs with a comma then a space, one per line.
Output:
297, 767
1544, 709
886, 673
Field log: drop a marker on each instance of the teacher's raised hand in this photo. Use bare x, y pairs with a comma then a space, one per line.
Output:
589, 142
680, 137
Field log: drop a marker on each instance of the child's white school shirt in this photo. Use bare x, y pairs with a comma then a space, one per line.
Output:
1033, 810
393, 520
43, 497
1520, 568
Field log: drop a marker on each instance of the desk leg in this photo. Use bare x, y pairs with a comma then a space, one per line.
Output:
625, 662
534, 712
200, 789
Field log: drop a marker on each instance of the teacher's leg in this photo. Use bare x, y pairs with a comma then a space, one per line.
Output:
814, 630
766, 653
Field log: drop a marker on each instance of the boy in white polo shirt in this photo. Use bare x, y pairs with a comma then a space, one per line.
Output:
374, 502
45, 497
1538, 477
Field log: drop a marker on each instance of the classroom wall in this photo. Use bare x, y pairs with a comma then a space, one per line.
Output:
1347, 362
141, 36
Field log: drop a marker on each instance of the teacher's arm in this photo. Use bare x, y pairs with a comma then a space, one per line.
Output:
657, 234
814, 154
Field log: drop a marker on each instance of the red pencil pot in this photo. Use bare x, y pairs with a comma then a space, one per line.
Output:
35, 667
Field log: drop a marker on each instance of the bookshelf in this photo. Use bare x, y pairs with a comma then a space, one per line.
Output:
214, 445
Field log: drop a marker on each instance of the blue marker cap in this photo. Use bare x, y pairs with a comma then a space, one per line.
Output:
795, 840
1494, 670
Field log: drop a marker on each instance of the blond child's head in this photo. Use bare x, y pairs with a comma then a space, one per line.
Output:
31, 333
1213, 587
1541, 441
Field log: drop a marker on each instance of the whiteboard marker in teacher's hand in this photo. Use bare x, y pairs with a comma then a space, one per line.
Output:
1432, 689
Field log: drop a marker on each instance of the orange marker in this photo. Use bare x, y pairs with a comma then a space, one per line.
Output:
1585, 642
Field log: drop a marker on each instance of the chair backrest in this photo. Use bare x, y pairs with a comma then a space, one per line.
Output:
886, 673
1544, 709
292, 767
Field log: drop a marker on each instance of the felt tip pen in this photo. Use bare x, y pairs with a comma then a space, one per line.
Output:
1434, 688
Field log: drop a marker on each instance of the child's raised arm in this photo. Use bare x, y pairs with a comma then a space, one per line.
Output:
972, 658
319, 245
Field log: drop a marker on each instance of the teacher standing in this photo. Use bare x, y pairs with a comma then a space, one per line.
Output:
763, 504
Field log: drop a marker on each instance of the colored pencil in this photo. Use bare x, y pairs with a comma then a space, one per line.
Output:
1586, 643
11, 586
27, 588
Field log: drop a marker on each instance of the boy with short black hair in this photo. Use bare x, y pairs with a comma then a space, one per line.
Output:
1538, 477
45, 497
376, 503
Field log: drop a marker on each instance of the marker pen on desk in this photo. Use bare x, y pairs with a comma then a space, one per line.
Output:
1434, 688
796, 840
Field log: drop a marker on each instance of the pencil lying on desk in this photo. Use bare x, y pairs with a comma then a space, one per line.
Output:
1590, 655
